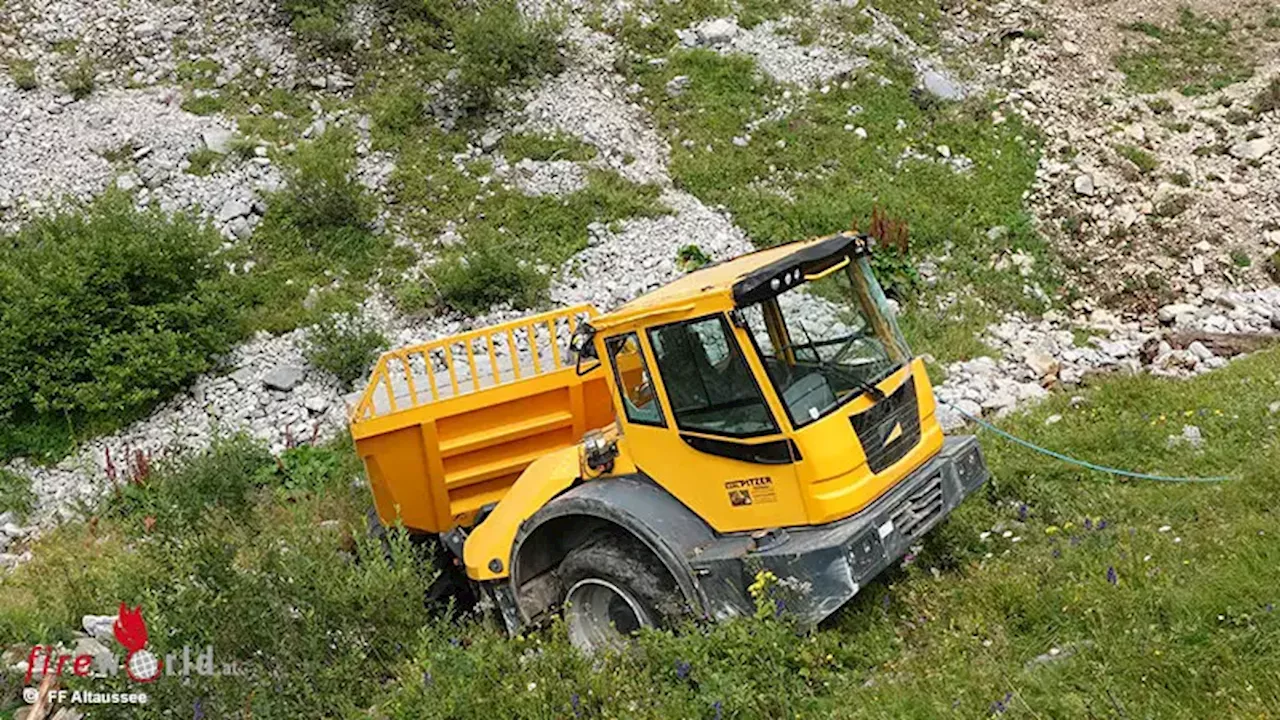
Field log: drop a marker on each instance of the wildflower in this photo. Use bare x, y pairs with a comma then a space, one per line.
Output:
1164, 528
1022, 512
533, 686
576, 703
1112, 577
682, 669
718, 707
908, 559
198, 709
1270, 607
1006, 534
884, 601
1057, 553
1088, 523
1102, 524
426, 678
1000, 706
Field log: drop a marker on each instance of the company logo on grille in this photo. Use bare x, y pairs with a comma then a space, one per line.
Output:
890, 428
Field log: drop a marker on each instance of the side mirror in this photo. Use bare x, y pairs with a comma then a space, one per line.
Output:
582, 344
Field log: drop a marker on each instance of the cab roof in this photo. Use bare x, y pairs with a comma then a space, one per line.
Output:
749, 278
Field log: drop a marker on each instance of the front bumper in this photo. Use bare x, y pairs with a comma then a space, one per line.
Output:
820, 568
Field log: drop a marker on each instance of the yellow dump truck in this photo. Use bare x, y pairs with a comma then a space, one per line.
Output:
629, 468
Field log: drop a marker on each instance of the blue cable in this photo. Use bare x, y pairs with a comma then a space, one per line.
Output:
1082, 463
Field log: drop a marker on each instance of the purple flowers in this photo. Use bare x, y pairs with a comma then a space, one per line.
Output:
998, 707
1088, 523
1112, 577
1022, 512
576, 703
719, 708
682, 669
198, 709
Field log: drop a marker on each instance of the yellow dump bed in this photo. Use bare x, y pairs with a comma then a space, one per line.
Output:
444, 428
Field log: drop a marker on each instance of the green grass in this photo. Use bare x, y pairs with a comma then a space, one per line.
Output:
1196, 56
208, 104
806, 175
518, 146
23, 73
16, 495
203, 161
1158, 598
513, 242
1141, 159
318, 232
79, 79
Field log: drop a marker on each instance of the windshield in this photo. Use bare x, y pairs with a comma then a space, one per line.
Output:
828, 340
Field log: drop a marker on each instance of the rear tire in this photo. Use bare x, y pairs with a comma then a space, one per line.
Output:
614, 586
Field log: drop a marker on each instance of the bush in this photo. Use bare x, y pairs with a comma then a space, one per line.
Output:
289, 589
80, 79
340, 347
23, 73
497, 46
485, 274
15, 494
104, 311
323, 209
321, 22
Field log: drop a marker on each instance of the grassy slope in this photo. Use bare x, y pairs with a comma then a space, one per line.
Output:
1186, 630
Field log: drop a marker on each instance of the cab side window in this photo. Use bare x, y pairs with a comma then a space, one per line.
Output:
708, 383
634, 382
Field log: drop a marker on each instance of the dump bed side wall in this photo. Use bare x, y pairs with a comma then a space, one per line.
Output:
433, 466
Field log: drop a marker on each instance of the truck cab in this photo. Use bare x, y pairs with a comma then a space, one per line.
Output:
763, 414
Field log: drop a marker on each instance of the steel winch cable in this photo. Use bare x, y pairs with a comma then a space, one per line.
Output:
1076, 461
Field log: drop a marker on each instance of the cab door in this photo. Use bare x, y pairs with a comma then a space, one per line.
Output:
701, 427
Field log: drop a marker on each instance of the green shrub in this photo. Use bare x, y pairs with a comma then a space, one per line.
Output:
321, 22
691, 257
23, 73
177, 493
203, 161
497, 46
306, 469
105, 310
204, 104
323, 217
15, 494
287, 587
517, 146
485, 274
80, 79
1143, 160
339, 346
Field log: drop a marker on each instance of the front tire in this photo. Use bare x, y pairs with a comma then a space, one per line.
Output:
614, 587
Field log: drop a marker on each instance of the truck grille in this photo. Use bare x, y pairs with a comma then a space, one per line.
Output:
890, 428
914, 514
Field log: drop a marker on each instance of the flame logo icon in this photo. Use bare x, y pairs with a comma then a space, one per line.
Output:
131, 631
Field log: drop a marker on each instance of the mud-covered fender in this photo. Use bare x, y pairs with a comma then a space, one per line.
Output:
488, 547
638, 505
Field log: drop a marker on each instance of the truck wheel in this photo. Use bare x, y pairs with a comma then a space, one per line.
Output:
614, 587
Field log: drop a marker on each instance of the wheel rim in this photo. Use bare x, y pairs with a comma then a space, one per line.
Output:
600, 614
